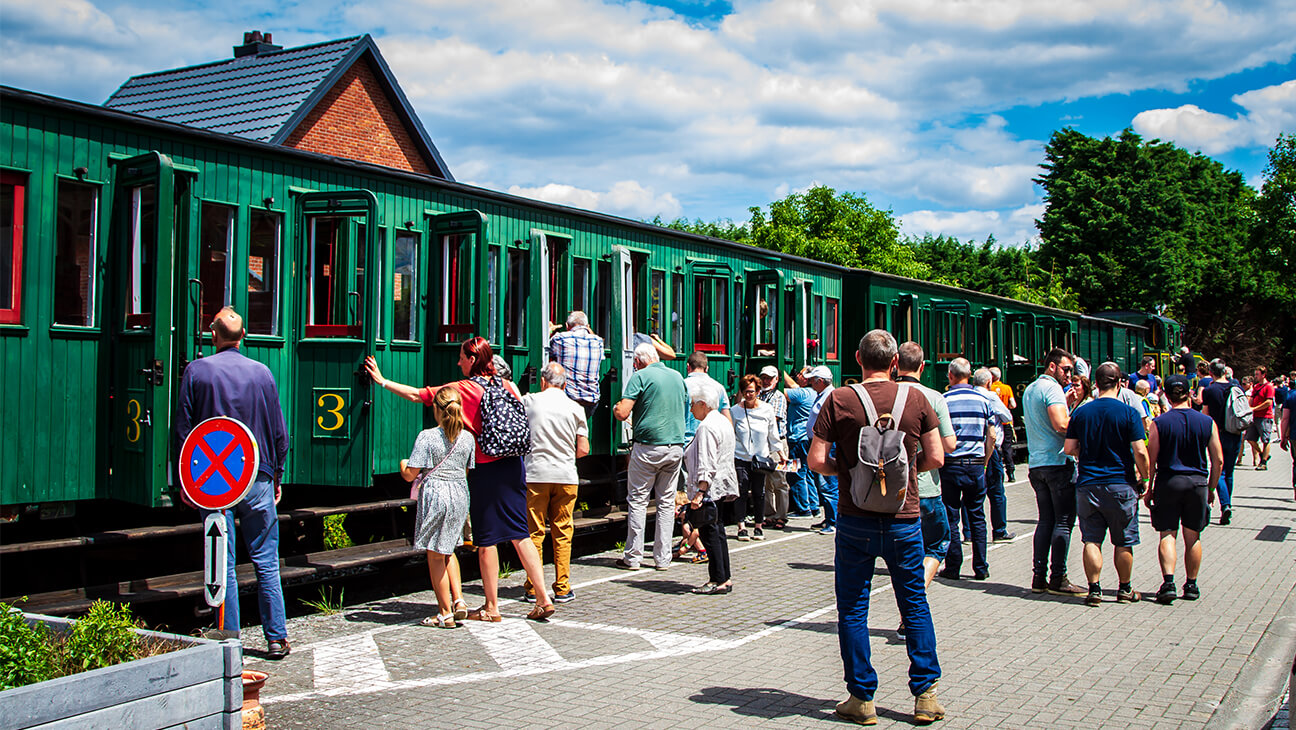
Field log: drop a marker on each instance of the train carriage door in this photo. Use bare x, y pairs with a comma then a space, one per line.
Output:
150, 221
337, 265
549, 257
768, 344
800, 316
951, 331
1021, 363
621, 336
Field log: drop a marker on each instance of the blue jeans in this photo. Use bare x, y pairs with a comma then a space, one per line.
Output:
935, 527
260, 522
827, 488
1231, 443
802, 496
1055, 498
998, 498
899, 543
963, 484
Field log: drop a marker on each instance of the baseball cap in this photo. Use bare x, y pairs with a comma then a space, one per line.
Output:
1081, 367
769, 370
1178, 382
820, 371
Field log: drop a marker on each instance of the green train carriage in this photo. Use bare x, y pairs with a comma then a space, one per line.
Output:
130, 233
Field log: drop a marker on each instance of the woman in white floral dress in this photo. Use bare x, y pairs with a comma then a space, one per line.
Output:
440, 460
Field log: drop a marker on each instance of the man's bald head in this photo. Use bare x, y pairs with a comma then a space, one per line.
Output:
227, 328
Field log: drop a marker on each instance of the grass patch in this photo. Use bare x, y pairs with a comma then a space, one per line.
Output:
505, 570
619, 546
325, 605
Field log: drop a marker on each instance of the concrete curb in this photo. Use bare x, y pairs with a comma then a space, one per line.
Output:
1255, 696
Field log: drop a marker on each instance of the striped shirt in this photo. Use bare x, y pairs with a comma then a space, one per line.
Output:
779, 402
970, 411
580, 352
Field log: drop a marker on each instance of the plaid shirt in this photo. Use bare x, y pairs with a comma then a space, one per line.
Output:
779, 402
580, 352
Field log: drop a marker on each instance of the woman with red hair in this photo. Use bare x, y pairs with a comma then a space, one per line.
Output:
496, 487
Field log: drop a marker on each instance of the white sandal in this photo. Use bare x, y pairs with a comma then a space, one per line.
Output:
446, 621
460, 610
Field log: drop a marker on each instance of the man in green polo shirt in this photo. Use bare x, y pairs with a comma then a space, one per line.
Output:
656, 398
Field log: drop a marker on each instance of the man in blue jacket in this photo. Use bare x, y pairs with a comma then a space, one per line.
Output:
229, 384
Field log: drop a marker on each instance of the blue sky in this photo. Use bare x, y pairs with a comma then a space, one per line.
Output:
937, 110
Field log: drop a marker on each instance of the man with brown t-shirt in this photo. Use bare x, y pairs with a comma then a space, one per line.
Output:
863, 537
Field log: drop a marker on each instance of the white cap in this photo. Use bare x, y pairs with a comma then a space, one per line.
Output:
821, 371
1081, 367
769, 370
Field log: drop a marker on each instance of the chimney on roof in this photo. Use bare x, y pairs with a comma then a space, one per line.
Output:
254, 44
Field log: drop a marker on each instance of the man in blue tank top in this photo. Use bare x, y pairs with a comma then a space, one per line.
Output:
1183, 483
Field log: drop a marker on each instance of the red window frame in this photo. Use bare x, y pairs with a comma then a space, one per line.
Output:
13, 315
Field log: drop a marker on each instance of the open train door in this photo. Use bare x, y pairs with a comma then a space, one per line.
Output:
800, 325
621, 338
150, 216
549, 261
337, 267
768, 307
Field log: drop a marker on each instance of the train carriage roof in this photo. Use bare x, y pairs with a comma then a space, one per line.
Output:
113, 115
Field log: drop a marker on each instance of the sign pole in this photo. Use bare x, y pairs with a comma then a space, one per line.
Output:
220, 626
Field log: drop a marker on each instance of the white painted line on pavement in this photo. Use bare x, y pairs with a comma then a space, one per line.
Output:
348, 660
513, 644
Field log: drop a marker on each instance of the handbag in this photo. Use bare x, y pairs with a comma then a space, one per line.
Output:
418, 480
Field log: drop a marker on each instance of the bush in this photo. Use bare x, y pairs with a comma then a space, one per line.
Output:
101, 639
26, 653
335, 534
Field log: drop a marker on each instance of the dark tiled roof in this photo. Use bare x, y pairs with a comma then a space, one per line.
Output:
251, 97
261, 97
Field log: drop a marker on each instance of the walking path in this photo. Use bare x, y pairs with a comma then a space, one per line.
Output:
636, 650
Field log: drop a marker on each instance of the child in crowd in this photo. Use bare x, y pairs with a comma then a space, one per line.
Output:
440, 461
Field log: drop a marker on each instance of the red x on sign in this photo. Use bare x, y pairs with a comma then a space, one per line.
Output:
218, 463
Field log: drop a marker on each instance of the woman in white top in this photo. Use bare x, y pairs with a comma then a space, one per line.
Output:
757, 448
709, 463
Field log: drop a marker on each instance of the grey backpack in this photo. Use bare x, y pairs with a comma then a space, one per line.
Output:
880, 481
1237, 412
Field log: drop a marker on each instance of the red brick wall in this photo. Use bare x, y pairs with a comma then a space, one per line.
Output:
357, 121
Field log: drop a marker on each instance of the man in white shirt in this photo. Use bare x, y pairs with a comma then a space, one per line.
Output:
559, 436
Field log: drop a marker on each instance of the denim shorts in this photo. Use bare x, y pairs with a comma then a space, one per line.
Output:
1104, 507
935, 527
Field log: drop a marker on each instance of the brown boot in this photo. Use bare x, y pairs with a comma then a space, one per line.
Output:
1060, 586
926, 707
858, 711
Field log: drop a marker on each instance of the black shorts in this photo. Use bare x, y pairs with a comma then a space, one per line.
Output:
1180, 500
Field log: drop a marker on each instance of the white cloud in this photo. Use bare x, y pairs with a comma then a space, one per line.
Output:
626, 198
1014, 226
1268, 111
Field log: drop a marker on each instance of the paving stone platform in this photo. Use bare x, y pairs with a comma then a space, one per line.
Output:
636, 650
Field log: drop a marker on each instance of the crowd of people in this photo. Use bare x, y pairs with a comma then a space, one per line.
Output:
896, 470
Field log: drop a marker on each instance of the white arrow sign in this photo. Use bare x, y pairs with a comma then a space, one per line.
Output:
215, 558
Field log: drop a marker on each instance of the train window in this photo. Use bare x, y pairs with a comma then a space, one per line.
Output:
765, 319
335, 278
816, 325
904, 319
789, 321
710, 313
492, 294
830, 333
456, 285
361, 242
74, 258
13, 193
677, 311
263, 272
215, 256
515, 298
879, 315
557, 255
140, 279
580, 287
950, 341
990, 337
405, 268
657, 303
603, 300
